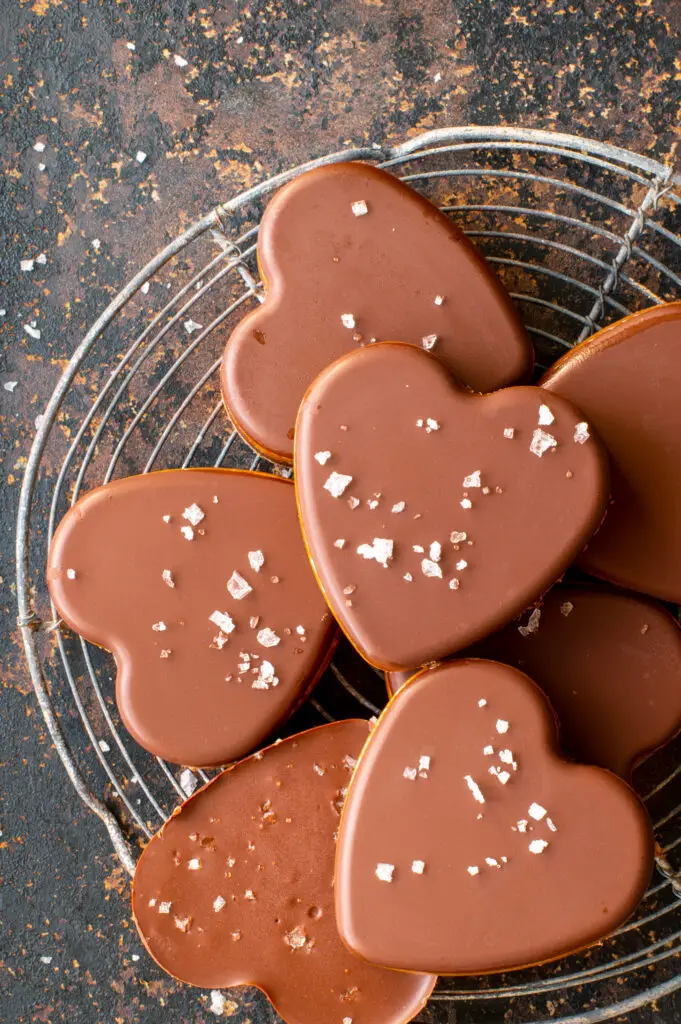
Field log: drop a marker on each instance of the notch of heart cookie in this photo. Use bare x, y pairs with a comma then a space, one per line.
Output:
349, 254
467, 845
198, 582
432, 516
236, 888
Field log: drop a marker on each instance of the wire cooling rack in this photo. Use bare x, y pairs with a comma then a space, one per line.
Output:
581, 233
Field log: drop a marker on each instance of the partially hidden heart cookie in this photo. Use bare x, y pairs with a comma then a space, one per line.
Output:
198, 582
432, 516
236, 889
610, 664
350, 255
467, 845
627, 380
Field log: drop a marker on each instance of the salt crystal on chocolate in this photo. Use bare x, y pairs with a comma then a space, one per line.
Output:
536, 811
431, 425
222, 620
537, 846
566, 608
474, 788
193, 514
340, 543
501, 725
187, 532
418, 866
473, 869
267, 637
348, 320
532, 623
438, 300
167, 577
435, 551
457, 537
581, 435
159, 627
238, 587
430, 568
71, 574
473, 480
256, 560
542, 442
428, 341
546, 417
385, 872
380, 549
466, 503
360, 208
322, 457
337, 484
509, 432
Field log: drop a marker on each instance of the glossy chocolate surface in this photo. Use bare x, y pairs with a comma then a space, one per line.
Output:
338, 278
236, 889
610, 664
468, 845
627, 381
209, 662
453, 512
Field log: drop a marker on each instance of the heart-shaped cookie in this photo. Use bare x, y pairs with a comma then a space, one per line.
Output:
467, 845
236, 889
198, 582
432, 516
610, 664
626, 379
349, 254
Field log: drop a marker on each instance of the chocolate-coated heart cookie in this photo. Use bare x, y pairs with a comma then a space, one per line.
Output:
349, 254
610, 664
467, 845
236, 889
432, 516
197, 580
627, 380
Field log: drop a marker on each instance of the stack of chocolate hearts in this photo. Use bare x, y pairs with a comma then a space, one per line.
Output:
486, 822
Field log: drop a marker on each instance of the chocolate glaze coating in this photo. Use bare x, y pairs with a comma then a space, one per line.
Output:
627, 380
570, 847
246, 868
529, 516
144, 591
609, 662
384, 270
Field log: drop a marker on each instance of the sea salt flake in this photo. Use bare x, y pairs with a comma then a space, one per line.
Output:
438, 300
238, 587
267, 637
188, 781
457, 537
546, 417
187, 532
430, 568
353, 503
542, 442
489, 749
266, 677
581, 435
532, 623
536, 811
509, 432
385, 872
223, 620
349, 763
424, 766
474, 788
10, 385
339, 543
473, 480
296, 938
167, 578
26, 265
537, 846
140, 156
191, 325
166, 519
399, 506
429, 341
461, 564
39, 147
418, 866
71, 574
32, 331
256, 560
145, 288
435, 551
502, 776
194, 864
466, 503
360, 208
454, 583
253, 621
501, 726
473, 869
46, 959
506, 757
492, 862
130, 46
380, 549
193, 514
409, 773
337, 484
566, 608
322, 457
159, 627
217, 1003
348, 320
180, 61
408, 577
249, 895
431, 425
164, 907
104, 746
165, 653
482, 703
236, 936
419, 423
522, 825
551, 825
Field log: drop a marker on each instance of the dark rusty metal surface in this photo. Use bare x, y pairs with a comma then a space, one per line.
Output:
265, 86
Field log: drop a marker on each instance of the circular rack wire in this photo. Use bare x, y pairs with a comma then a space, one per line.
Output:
581, 233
